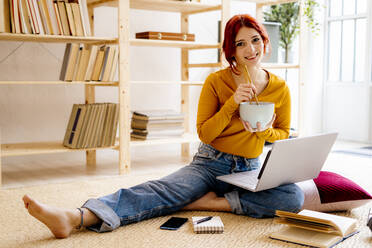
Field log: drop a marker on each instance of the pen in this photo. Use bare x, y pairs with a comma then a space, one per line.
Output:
203, 220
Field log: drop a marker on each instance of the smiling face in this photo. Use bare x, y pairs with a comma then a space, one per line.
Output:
249, 47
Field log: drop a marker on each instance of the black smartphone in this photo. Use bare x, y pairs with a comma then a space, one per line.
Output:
173, 223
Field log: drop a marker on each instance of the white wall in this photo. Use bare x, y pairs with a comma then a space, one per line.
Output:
347, 110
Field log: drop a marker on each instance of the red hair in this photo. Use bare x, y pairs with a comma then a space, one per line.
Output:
231, 30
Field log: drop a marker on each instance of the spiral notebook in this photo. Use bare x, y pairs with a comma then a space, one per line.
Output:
213, 225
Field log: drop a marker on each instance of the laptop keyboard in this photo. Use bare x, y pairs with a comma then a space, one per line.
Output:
243, 178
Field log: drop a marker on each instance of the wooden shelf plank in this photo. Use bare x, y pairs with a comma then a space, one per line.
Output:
106, 40
49, 147
169, 82
279, 66
162, 5
32, 148
171, 43
186, 138
56, 38
95, 83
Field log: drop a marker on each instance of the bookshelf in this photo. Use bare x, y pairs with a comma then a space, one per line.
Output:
124, 42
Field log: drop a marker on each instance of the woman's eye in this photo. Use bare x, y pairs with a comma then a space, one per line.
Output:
240, 43
256, 39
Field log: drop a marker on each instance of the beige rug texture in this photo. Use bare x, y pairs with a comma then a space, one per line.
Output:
19, 229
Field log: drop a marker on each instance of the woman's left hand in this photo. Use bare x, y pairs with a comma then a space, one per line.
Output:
249, 128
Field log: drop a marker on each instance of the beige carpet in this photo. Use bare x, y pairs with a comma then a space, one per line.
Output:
18, 229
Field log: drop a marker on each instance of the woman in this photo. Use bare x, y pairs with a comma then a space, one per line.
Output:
228, 145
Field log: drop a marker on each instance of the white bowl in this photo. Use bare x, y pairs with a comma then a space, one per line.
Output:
253, 113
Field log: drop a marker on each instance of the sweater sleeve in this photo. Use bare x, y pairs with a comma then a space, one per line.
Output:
281, 126
213, 118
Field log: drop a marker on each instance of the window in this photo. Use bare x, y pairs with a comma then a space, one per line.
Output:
347, 34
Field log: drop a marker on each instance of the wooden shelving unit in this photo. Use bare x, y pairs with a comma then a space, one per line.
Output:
124, 42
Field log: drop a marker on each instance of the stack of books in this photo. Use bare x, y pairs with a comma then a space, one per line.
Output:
156, 124
51, 17
89, 63
92, 125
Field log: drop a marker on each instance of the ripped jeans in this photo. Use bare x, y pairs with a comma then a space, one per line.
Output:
173, 192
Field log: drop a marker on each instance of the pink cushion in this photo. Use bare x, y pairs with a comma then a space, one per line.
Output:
332, 192
335, 188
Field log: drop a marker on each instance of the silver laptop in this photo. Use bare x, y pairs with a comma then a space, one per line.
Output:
288, 161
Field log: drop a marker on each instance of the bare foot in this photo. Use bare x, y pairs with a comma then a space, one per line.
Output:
60, 221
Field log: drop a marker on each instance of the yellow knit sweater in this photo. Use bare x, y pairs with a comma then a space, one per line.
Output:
218, 121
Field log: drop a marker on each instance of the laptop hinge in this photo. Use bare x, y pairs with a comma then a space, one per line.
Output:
264, 165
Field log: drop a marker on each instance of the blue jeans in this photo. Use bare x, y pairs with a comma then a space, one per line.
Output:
175, 191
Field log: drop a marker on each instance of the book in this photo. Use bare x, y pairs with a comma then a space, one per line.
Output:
58, 18
114, 124
5, 22
74, 127
157, 115
214, 225
30, 16
66, 58
73, 117
77, 18
69, 61
11, 17
91, 126
63, 16
70, 19
156, 124
84, 126
105, 60
314, 228
43, 15
97, 68
153, 35
24, 18
108, 119
92, 60
84, 17
83, 64
37, 18
108, 64
16, 17
114, 65
77, 64
50, 16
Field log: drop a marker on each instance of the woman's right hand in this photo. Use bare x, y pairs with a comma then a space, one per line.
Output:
244, 93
